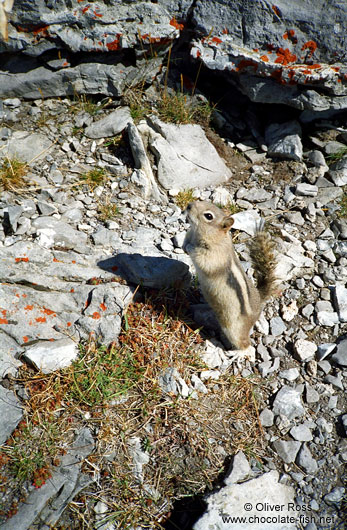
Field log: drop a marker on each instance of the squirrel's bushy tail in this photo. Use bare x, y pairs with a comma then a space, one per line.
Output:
262, 252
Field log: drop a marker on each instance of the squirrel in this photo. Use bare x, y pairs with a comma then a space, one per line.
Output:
232, 295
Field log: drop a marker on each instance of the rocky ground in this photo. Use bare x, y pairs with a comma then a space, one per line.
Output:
94, 216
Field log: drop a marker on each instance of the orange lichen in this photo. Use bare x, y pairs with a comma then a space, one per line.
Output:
97, 14
41, 320
72, 290
17, 260
85, 9
29, 307
114, 45
103, 307
276, 10
216, 40
57, 260
264, 58
41, 31
4, 312
68, 324
225, 31
245, 63
3, 321
175, 24
310, 45
255, 49
48, 311
335, 68
25, 338
285, 56
96, 315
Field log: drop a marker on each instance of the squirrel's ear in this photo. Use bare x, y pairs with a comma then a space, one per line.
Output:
227, 222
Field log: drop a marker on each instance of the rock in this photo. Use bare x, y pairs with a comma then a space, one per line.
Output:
277, 326
340, 298
198, 384
221, 196
239, 469
25, 146
213, 356
306, 461
13, 214
301, 433
311, 394
11, 413
327, 318
9, 349
183, 150
335, 497
139, 457
306, 190
317, 159
230, 501
291, 374
111, 125
152, 271
167, 381
336, 381
52, 232
338, 172
144, 176
283, 140
290, 311
50, 356
288, 403
287, 450
247, 221
340, 357
324, 350
266, 418
304, 350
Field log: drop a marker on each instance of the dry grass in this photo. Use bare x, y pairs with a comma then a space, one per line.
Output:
117, 392
12, 172
183, 198
93, 178
107, 209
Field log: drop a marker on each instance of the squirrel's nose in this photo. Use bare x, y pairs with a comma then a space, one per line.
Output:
189, 206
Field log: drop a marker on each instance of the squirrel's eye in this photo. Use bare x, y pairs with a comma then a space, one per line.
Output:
208, 216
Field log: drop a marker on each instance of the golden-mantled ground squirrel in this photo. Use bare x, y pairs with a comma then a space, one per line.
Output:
235, 300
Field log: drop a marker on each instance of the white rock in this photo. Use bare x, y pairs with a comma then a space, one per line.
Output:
290, 375
288, 403
307, 190
327, 318
242, 500
304, 350
210, 374
290, 311
50, 356
198, 384
247, 221
239, 469
340, 298
221, 196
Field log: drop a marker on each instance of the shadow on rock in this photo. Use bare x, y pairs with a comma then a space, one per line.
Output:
156, 272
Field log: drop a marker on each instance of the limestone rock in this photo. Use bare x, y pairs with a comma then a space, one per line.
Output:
230, 501
185, 158
10, 413
49, 356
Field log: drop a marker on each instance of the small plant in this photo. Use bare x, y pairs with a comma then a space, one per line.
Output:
343, 205
232, 208
94, 177
177, 107
101, 374
107, 210
12, 172
336, 157
183, 198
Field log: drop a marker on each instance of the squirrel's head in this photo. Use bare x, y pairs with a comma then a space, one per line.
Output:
206, 218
